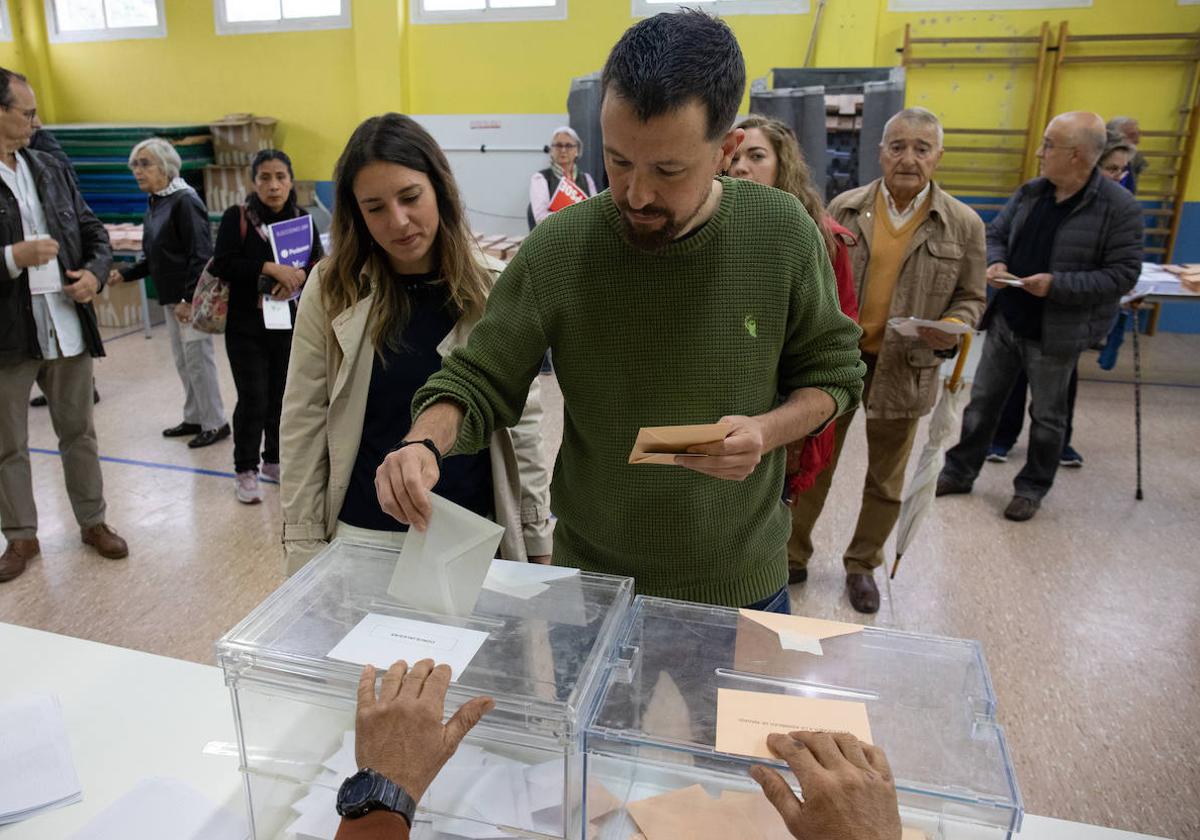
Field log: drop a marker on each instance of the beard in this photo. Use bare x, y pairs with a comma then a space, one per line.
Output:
646, 239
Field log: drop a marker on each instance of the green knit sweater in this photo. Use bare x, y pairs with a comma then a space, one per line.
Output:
727, 321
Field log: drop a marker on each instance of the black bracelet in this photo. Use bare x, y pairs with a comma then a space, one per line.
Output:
427, 443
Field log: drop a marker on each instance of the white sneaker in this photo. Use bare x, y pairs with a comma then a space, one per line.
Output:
246, 488
270, 471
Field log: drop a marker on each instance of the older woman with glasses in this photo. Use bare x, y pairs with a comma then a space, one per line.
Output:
565, 148
177, 242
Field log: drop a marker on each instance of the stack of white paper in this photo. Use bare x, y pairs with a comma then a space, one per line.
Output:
37, 771
476, 796
158, 808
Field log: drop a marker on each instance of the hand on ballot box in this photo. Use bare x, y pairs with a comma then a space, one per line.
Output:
849, 793
399, 733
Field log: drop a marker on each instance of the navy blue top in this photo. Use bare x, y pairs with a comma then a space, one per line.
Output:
396, 374
1031, 253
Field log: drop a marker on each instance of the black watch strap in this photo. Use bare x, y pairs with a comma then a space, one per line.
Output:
368, 790
427, 443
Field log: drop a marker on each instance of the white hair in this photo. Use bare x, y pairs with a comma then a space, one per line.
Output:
570, 132
918, 115
163, 153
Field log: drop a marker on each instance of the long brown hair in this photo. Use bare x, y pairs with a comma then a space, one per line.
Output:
395, 138
792, 173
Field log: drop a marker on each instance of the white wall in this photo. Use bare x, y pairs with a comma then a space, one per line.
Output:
494, 184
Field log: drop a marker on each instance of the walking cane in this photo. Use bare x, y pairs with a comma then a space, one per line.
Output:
1137, 402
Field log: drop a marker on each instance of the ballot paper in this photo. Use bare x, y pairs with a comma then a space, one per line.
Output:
381, 640
442, 568
746, 718
37, 771
158, 808
908, 326
798, 632
524, 580
688, 812
277, 314
47, 277
660, 444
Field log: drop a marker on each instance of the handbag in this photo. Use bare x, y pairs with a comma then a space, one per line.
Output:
210, 301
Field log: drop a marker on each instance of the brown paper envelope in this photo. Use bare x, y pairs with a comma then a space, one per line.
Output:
689, 812
660, 444
801, 625
907, 833
746, 718
600, 801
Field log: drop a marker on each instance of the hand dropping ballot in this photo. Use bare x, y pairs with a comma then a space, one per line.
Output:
442, 569
291, 243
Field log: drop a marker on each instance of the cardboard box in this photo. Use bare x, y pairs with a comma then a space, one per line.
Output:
237, 138
119, 305
225, 186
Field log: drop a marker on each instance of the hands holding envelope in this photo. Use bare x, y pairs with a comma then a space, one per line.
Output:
730, 449
848, 789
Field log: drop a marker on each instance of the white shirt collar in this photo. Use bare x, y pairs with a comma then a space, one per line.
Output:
899, 217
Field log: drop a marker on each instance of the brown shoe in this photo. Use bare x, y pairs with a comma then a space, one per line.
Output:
797, 574
864, 594
1021, 509
16, 557
105, 540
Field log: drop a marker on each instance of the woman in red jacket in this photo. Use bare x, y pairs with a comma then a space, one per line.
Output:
771, 155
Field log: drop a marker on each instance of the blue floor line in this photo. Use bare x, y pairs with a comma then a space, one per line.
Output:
156, 466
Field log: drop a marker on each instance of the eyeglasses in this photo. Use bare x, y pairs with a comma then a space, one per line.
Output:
29, 114
1113, 168
142, 163
562, 147
1049, 145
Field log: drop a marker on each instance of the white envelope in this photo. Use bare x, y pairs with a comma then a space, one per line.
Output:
442, 569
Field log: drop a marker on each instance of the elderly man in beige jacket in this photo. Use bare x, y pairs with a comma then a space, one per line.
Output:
921, 254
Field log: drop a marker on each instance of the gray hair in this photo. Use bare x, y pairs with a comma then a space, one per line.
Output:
1117, 123
570, 132
162, 152
918, 115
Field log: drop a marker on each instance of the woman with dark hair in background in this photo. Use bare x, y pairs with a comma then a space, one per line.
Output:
404, 285
771, 155
258, 356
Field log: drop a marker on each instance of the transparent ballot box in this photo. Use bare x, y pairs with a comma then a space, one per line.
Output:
536, 641
692, 691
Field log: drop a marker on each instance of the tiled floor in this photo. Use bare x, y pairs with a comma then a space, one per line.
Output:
1088, 614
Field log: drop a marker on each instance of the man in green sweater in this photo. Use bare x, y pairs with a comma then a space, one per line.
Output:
676, 297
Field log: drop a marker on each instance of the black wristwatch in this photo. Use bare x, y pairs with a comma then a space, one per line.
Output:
368, 791
427, 443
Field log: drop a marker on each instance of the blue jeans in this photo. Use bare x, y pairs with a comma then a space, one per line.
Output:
1005, 357
780, 602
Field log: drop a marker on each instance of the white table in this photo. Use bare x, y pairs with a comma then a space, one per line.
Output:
131, 715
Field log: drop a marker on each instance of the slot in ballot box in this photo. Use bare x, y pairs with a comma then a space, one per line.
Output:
536, 642
691, 692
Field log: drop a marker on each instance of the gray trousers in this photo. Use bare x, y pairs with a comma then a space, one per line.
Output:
67, 384
193, 352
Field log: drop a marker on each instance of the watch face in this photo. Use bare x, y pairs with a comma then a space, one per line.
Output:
355, 793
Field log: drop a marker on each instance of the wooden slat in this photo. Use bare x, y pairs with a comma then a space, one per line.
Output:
1156, 231
1155, 195
1162, 212
1008, 132
992, 188
1139, 36
985, 150
1154, 250
1126, 59
1150, 154
989, 170
918, 62
988, 40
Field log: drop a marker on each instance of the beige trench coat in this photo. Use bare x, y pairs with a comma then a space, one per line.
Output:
942, 276
324, 404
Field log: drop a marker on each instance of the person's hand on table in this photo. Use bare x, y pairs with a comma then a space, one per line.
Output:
84, 289
936, 339
735, 458
399, 733
1038, 285
848, 789
403, 482
994, 272
33, 252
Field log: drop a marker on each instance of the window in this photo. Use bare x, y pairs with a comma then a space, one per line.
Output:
5, 23
104, 20
982, 5
477, 11
646, 8
236, 17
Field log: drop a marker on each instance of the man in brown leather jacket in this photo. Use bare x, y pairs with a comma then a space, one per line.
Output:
920, 254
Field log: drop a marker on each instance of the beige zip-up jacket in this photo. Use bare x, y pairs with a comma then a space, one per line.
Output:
329, 375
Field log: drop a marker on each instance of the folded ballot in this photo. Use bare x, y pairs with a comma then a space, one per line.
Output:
660, 444
909, 326
442, 568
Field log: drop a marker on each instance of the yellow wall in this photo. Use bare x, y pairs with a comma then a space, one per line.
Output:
320, 84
